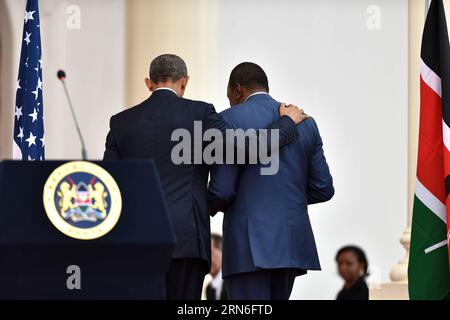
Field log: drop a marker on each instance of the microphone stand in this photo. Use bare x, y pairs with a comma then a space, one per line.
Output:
83, 146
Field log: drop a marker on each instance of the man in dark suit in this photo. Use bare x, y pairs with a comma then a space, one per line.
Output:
145, 132
267, 235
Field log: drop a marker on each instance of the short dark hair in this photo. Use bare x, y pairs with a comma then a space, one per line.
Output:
167, 67
217, 241
360, 255
250, 76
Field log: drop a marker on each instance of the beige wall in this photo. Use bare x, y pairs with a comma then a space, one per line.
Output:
185, 28
416, 22
93, 57
8, 61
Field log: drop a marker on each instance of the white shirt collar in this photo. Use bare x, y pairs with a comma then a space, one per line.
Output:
254, 94
165, 88
217, 283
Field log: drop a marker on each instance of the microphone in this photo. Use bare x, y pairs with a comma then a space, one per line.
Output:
62, 76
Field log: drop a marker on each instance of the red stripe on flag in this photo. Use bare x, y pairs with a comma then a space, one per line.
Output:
430, 162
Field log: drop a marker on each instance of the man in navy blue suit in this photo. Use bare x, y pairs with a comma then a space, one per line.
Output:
267, 235
145, 132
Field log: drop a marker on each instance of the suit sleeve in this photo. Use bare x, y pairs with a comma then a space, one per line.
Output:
222, 187
111, 147
320, 181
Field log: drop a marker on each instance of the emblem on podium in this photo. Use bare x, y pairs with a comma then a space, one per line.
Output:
82, 200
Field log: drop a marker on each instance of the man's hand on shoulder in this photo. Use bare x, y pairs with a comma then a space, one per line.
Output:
297, 115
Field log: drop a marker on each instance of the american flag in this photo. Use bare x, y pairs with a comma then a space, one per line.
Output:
29, 137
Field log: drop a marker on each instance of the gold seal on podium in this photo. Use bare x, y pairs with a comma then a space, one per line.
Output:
82, 200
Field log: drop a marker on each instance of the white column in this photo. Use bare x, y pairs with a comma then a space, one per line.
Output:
398, 288
184, 28
417, 8
10, 33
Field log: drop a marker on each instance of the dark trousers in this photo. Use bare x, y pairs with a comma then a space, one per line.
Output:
184, 280
269, 284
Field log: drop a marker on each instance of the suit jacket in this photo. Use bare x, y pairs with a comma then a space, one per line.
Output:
211, 293
144, 132
266, 224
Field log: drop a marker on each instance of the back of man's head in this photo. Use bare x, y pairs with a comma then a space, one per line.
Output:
250, 76
167, 67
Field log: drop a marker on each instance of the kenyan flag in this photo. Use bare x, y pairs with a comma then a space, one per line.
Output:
428, 272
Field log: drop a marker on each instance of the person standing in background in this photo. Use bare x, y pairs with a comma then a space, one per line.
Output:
352, 267
215, 289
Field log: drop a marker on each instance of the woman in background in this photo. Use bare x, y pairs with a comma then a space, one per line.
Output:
352, 267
